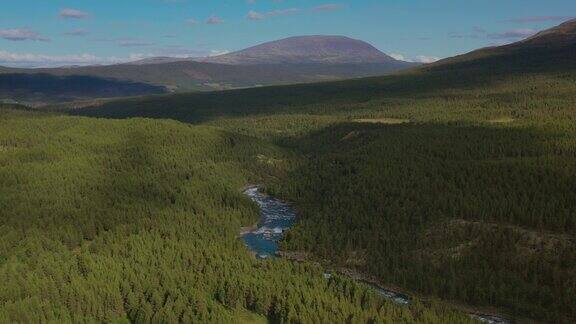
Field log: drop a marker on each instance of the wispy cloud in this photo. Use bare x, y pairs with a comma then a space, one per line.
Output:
125, 41
214, 20
513, 34
29, 59
16, 59
21, 34
77, 32
478, 30
536, 19
69, 13
179, 51
129, 42
253, 15
328, 7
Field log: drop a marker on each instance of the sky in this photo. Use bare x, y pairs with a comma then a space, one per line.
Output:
36, 33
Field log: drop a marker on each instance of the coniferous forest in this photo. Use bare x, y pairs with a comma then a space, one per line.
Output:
137, 221
453, 183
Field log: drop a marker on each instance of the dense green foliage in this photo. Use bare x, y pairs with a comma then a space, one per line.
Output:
455, 181
493, 211
473, 199
117, 221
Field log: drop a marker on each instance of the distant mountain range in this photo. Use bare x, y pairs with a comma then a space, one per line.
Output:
551, 52
292, 60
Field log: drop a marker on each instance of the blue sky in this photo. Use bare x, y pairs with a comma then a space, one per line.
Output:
61, 32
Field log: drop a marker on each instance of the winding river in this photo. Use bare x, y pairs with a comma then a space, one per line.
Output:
277, 216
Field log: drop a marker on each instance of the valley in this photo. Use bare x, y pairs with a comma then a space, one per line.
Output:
277, 217
252, 67
499, 193
320, 184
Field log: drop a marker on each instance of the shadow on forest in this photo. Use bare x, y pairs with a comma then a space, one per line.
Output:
463, 206
302, 98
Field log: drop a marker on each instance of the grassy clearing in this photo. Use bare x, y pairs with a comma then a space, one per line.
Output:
502, 120
384, 121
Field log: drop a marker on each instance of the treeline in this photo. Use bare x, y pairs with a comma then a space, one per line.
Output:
137, 221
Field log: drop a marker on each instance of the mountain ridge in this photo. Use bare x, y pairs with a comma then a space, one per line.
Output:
556, 45
300, 59
323, 49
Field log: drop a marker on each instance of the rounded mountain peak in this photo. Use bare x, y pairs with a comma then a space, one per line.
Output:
307, 49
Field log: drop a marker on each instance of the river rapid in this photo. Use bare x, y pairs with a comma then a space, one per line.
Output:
277, 216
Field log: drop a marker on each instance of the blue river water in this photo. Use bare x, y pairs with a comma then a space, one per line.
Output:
276, 216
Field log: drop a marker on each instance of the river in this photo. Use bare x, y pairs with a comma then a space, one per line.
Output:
277, 216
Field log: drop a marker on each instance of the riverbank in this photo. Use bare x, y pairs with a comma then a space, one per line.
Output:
277, 216
484, 314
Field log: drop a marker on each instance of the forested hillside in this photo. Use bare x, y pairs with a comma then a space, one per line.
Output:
177, 76
456, 180
46, 88
137, 221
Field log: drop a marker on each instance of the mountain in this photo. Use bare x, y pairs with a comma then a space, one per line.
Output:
158, 60
545, 53
553, 49
564, 34
306, 49
293, 60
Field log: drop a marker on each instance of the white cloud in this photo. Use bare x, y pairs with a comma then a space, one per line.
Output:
29, 59
214, 20
426, 59
398, 57
69, 13
218, 52
416, 59
21, 35
178, 51
42, 60
253, 15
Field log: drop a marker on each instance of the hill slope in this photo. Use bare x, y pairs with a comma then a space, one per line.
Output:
295, 60
307, 49
41, 87
455, 180
142, 226
550, 50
